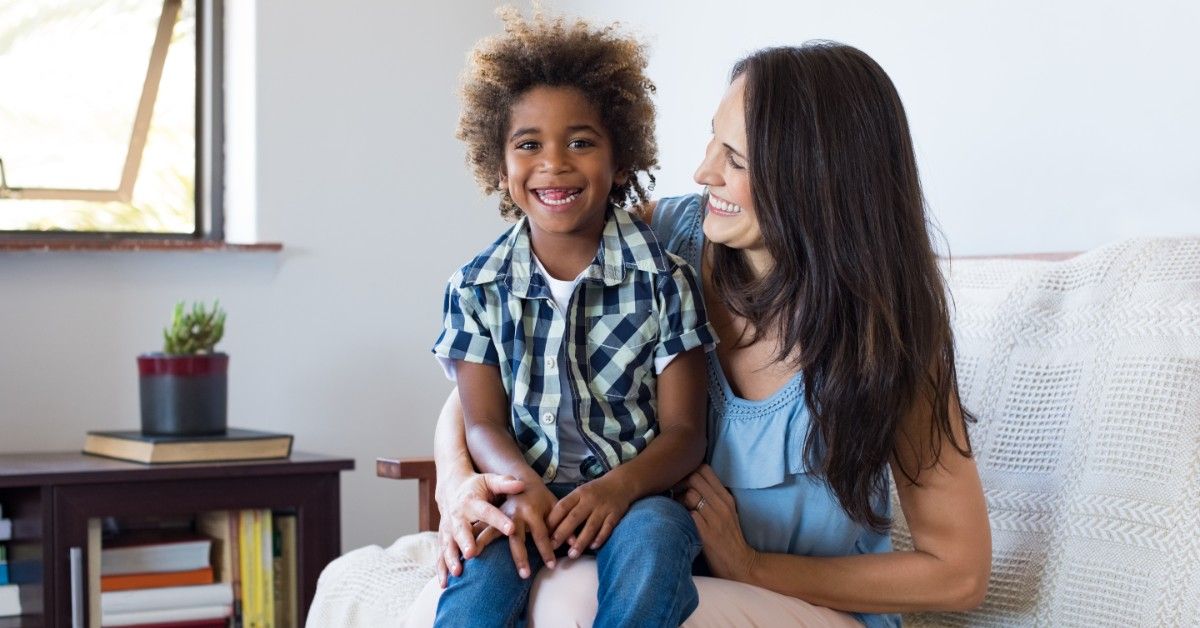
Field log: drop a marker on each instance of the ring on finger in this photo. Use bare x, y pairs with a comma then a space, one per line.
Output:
701, 504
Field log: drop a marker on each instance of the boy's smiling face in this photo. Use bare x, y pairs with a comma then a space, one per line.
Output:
558, 162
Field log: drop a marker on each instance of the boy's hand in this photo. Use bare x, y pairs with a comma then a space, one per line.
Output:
528, 512
597, 506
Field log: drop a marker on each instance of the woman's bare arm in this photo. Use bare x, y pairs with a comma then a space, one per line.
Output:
450, 454
947, 569
463, 496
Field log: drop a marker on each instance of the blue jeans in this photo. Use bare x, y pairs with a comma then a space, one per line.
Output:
645, 571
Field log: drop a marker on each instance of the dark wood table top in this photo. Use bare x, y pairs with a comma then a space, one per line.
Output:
73, 467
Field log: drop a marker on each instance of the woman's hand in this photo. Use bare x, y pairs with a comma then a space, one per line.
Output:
715, 514
597, 506
469, 503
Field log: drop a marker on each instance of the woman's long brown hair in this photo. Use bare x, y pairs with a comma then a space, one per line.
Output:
856, 297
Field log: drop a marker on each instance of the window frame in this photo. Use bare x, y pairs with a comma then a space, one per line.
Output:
209, 130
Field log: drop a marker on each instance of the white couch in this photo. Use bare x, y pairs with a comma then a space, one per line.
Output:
1085, 376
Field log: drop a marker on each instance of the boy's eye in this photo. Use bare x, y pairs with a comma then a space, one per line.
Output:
581, 143
527, 145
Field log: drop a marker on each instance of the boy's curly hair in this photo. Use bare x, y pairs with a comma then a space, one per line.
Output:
606, 66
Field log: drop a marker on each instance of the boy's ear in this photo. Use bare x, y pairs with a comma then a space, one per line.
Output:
620, 177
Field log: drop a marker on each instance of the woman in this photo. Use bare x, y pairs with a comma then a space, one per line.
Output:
836, 366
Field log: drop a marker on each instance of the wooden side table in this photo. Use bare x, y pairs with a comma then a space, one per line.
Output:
51, 496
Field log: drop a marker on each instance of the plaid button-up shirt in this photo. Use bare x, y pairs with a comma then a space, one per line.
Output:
635, 302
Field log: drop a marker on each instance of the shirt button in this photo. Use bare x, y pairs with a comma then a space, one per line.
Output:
550, 362
548, 418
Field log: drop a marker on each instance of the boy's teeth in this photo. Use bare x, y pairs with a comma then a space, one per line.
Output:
729, 208
557, 197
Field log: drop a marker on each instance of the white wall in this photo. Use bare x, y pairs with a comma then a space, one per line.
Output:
361, 179
1038, 128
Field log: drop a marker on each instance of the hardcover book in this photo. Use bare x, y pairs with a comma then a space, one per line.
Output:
234, 444
126, 582
167, 598
144, 554
10, 600
165, 616
195, 623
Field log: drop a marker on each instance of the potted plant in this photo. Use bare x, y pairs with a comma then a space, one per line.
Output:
184, 389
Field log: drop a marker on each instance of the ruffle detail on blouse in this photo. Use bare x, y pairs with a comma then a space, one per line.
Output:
758, 444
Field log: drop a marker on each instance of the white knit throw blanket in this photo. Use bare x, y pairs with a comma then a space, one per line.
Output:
1085, 377
371, 587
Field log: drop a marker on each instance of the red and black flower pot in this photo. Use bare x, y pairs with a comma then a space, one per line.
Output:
183, 395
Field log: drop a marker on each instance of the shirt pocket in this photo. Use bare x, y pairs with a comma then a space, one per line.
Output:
620, 351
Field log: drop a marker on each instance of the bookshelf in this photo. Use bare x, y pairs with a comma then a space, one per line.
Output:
56, 500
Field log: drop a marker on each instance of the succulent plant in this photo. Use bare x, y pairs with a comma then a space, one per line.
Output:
195, 332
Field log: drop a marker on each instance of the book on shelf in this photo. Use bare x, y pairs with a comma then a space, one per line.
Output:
10, 600
126, 582
222, 526
20, 599
266, 574
154, 553
5, 529
257, 576
233, 556
138, 618
235, 444
216, 526
220, 622
167, 598
24, 562
284, 568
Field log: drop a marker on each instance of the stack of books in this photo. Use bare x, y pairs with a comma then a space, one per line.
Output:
161, 578
208, 570
10, 599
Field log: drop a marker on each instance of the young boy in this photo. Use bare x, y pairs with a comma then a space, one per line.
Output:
576, 341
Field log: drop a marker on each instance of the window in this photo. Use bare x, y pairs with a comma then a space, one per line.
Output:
108, 120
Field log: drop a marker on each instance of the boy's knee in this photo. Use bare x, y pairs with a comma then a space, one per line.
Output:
494, 562
655, 516
659, 509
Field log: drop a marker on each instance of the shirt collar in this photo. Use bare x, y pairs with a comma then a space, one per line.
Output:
626, 243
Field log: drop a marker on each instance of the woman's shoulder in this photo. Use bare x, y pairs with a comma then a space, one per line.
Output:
675, 221
669, 210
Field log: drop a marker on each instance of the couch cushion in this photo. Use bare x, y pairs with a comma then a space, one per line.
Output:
1085, 377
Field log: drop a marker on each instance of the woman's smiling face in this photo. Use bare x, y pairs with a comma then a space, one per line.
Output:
730, 218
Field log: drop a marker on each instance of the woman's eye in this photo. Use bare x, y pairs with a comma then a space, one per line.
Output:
734, 164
